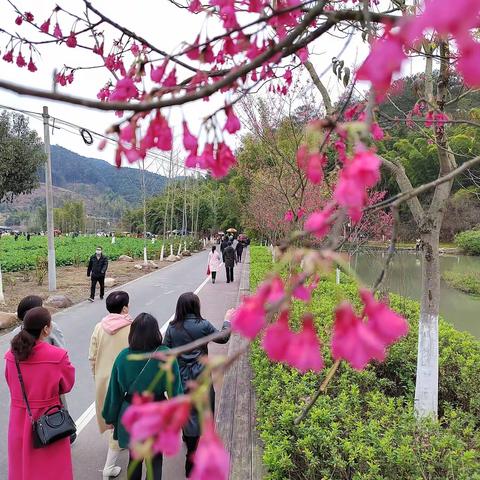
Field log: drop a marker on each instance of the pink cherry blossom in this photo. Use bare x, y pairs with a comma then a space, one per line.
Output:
353, 341
190, 142
385, 59
302, 157
387, 325
161, 421
211, 460
8, 57
206, 159
157, 73
232, 124
29, 16
21, 61
19, 20
171, 80
195, 6
249, 318
159, 134
124, 90
98, 49
276, 290
319, 223
289, 216
135, 49
31, 66
303, 352
300, 212
377, 132
57, 32
223, 161
71, 40
61, 79
316, 162
45, 26
469, 62
192, 160
429, 119
277, 338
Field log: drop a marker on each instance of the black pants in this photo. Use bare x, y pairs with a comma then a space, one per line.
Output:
157, 462
101, 281
239, 257
229, 274
214, 276
192, 442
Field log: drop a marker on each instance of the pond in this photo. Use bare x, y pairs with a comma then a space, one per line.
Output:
404, 278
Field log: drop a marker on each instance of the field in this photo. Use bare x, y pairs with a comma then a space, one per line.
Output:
23, 255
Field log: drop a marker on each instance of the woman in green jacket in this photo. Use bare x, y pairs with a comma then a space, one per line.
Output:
135, 376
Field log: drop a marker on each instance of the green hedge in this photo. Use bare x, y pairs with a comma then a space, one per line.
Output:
364, 427
469, 241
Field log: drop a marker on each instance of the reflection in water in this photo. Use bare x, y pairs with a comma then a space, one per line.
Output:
404, 277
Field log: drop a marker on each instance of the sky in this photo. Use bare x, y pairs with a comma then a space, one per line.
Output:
160, 22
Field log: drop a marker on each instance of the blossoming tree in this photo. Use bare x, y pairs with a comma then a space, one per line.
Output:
265, 43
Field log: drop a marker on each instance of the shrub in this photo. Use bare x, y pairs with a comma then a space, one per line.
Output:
363, 428
469, 241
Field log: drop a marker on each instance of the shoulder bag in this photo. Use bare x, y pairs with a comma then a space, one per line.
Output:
50, 427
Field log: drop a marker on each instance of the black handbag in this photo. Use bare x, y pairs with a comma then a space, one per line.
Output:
50, 427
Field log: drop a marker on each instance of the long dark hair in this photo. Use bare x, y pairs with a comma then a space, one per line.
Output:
213, 248
34, 322
144, 333
187, 304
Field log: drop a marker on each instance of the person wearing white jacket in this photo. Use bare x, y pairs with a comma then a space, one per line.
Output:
214, 262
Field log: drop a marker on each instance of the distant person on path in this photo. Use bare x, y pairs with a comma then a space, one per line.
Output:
224, 244
229, 260
134, 376
214, 262
28, 237
97, 268
109, 338
239, 251
188, 326
47, 373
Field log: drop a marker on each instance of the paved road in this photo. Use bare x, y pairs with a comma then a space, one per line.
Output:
156, 293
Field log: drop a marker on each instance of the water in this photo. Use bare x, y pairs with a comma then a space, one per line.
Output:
404, 278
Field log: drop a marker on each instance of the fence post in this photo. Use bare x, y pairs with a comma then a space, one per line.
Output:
179, 248
161, 252
2, 297
171, 249
338, 276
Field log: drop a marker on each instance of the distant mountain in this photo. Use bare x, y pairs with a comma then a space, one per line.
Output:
89, 176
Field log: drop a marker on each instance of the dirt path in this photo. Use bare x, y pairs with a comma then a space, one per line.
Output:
71, 282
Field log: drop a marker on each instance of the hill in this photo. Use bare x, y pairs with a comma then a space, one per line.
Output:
86, 176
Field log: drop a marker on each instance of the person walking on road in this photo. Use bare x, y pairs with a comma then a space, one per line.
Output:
224, 244
214, 262
97, 268
46, 373
188, 326
134, 377
109, 338
229, 260
239, 251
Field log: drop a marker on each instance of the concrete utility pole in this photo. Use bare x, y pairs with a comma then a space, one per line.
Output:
52, 276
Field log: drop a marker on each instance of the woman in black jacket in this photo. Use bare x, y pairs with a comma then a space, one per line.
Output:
188, 326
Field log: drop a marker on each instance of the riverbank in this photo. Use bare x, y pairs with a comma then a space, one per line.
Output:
445, 248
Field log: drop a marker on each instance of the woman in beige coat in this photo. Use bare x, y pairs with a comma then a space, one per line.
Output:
109, 338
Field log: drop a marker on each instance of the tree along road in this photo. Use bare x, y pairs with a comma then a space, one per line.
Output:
155, 293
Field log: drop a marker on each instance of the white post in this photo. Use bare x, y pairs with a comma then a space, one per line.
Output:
52, 277
113, 239
162, 252
179, 248
2, 297
338, 276
171, 249
145, 260
185, 246
204, 243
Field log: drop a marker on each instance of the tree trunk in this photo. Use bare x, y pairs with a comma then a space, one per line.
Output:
426, 386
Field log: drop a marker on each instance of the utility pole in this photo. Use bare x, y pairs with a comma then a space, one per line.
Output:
145, 260
52, 276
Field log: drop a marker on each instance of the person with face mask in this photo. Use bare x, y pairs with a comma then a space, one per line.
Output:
97, 268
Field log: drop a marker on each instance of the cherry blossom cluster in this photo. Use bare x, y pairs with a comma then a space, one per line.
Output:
157, 426
356, 339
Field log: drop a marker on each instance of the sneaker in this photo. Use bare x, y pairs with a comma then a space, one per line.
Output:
90, 299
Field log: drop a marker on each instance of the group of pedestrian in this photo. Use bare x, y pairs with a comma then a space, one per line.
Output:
231, 254
38, 373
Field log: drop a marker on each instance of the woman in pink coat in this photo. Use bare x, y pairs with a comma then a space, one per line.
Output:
214, 262
47, 373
